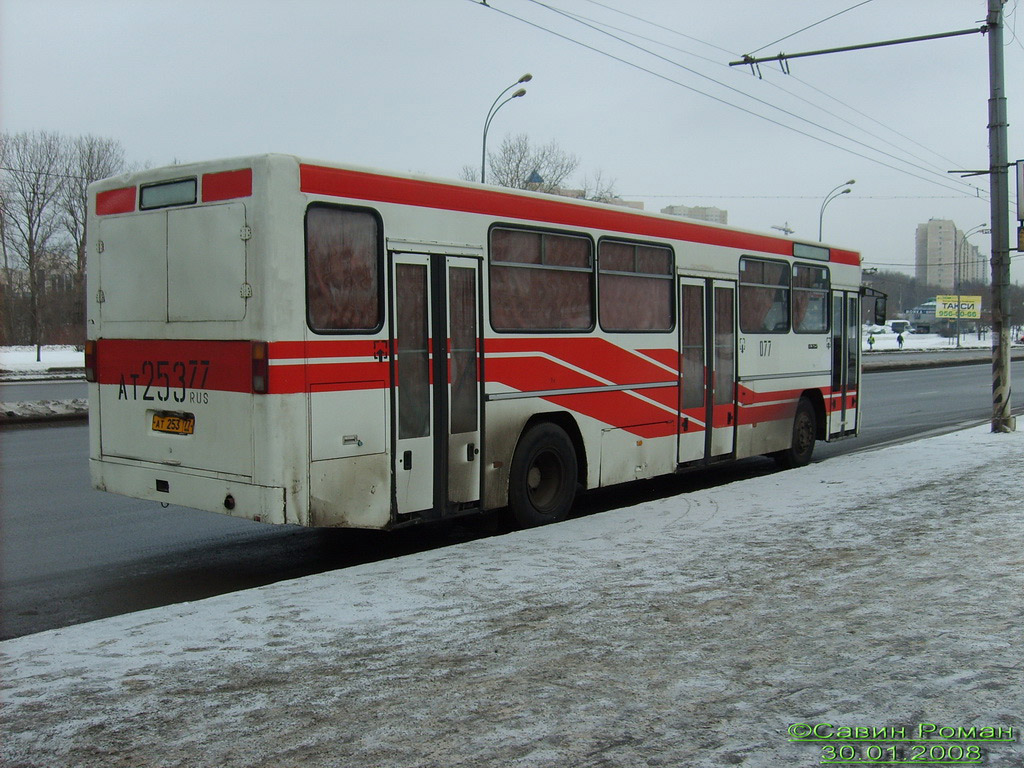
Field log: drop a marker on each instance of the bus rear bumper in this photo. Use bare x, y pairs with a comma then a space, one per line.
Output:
261, 503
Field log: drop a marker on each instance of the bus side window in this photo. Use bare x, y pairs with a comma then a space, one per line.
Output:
343, 269
810, 298
764, 296
541, 281
634, 286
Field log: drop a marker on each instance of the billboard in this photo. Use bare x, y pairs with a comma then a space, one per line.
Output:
970, 307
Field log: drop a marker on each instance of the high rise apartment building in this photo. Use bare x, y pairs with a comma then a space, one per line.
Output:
942, 252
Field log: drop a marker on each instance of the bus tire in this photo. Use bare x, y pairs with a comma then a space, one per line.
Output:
805, 431
542, 477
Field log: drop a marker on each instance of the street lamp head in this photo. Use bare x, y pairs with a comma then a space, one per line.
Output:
517, 94
525, 78
846, 191
852, 181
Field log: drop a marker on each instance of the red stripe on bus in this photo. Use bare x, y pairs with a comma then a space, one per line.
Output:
595, 356
193, 364
359, 185
620, 410
308, 350
227, 185
115, 201
667, 357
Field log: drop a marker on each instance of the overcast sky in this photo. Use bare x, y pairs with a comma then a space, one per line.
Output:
405, 85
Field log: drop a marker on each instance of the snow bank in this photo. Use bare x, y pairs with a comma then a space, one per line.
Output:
688, 631
44, 410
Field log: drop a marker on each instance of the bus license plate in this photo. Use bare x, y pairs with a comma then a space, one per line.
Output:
174, 423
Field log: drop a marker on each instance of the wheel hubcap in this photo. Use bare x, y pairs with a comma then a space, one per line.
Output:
544, 479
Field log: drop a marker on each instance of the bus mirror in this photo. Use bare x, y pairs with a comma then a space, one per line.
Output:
868, 292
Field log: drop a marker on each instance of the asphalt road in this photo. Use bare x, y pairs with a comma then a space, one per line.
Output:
69, 554
16, 392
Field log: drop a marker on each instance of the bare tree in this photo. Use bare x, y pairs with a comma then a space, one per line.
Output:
4, 205
33, 180
599, 188
519, 164
90, 158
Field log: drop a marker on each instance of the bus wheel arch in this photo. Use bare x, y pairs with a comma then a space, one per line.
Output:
808, 427
547, 466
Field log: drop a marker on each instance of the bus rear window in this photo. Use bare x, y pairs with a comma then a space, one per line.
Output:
166, 194
343, 269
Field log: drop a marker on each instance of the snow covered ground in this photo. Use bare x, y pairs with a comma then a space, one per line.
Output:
887, 341
20, 362
881, 589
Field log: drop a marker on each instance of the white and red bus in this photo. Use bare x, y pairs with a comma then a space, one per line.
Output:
292, 341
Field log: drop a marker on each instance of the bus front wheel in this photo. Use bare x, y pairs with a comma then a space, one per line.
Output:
805, 431
542, 478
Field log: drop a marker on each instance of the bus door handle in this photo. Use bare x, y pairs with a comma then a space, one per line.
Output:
471, 452
407, 460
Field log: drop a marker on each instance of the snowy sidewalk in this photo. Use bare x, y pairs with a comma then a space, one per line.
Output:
882, 589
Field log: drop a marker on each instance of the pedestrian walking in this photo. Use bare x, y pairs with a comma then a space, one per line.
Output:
899, 340
871, 341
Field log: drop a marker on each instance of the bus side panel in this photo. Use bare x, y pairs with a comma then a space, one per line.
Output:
765, 428
353, 492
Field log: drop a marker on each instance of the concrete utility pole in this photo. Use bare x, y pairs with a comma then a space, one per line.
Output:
1002, 420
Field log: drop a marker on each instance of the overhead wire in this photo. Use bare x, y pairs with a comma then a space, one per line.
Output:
778, 86
662, 26
964, 189
789, 76
809, 26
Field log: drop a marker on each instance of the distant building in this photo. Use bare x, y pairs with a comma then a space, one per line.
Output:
699, 212
581, 194
941, 251
54, 274
923, 316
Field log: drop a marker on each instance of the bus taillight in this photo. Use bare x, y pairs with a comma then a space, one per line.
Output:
260, 368
90, 361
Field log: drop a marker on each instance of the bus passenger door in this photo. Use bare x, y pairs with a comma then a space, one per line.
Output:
707, 367
436, 384
412, 394
842, 419
462, 385
693, 372
722, 341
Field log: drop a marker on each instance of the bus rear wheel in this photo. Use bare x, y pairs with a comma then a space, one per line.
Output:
542, 478
805, 432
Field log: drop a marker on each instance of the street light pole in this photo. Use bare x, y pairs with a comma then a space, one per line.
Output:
829, 198
495, 106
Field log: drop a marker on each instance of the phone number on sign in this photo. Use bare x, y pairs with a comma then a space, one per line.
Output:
865, 754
